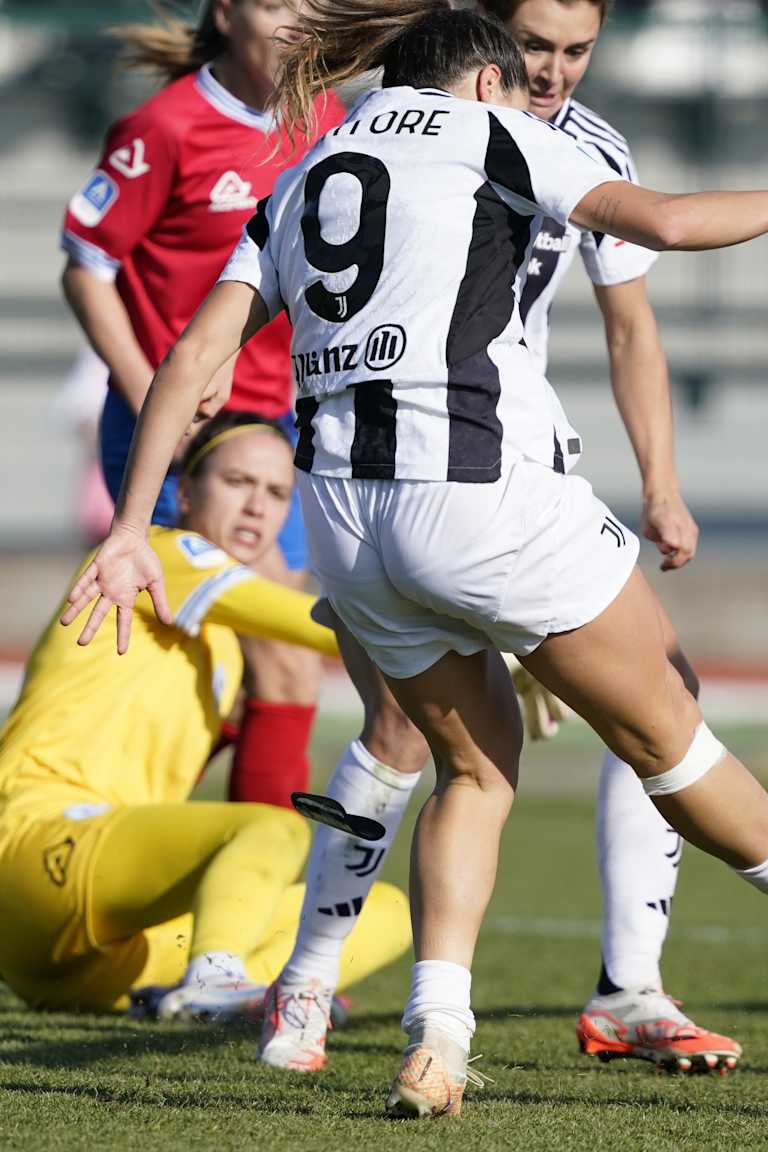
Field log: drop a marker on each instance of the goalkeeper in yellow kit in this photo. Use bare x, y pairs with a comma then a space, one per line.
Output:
109, 880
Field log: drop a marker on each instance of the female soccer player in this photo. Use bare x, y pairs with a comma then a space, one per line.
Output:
639, 853
439, 523
109, 881
146, 237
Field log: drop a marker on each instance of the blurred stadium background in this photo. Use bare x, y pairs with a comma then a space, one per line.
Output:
685, 80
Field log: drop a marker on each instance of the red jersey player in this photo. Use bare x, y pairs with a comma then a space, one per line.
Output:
146, 238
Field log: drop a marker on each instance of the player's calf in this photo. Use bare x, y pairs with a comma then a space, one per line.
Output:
711, 799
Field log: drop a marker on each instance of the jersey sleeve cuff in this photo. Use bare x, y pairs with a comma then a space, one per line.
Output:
193, 611
576, 194
86, 255
248, 264
640, 264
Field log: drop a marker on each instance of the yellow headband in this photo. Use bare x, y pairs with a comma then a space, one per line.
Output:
227, 434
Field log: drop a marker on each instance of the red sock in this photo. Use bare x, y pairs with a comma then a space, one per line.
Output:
271, 756
228, 734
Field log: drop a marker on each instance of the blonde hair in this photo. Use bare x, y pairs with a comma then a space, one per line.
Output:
420, 43
172, 48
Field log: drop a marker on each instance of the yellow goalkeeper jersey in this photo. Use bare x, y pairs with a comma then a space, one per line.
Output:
138, 728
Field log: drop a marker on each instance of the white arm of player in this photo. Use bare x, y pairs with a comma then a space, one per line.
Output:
657, 220
542, 711
640, 384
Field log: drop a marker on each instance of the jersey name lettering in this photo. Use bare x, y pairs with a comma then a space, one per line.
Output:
414, 121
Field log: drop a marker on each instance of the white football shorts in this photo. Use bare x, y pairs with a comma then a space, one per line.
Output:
417, 568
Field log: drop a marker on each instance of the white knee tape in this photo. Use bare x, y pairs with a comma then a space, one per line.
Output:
703, 754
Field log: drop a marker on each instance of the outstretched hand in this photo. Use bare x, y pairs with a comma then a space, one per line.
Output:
124, 566
672, 528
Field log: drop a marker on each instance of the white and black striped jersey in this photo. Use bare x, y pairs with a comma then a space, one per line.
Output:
606, 259
398, 246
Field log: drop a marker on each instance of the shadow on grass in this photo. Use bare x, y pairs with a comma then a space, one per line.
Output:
359, 1022
655, 1101
262, 1097
364, 1020
367, 1048
562, 1099
162, 1096
45, 1051
80, 1044
750, 1006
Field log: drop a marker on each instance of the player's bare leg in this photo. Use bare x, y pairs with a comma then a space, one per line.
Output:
467, 709
375, 776
387, 732
641, 709
644, 713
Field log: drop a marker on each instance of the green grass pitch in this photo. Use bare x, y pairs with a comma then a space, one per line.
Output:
90, 1083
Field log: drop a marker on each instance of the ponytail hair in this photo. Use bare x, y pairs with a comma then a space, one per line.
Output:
171, 48
419, 43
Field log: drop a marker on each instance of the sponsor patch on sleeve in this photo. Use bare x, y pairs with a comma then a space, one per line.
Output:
91, 204
201, 553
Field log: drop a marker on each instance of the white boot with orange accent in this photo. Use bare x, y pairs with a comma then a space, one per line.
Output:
296, 1023
648, 1025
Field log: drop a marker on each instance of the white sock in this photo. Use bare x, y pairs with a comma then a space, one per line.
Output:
213, 967
440, 996
341, 869
638, 857
758, 876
